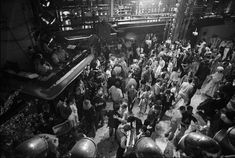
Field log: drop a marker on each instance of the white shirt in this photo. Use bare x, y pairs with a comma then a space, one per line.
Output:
176, 116
186, 88
174, 76
116, 93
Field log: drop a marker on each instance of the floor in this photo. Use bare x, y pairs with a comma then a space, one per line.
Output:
107, 146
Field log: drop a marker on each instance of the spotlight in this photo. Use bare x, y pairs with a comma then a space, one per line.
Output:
47, 18
45, 3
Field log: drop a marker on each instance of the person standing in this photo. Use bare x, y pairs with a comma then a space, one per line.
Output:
116, 117
202, 72
131, 94
187, 117
144, 100
195, 87
116, 95
79, 93
73, 117
89, 118
153, 117
174, 77
121, 135
214, 81
185, 91
157, 88
167, 101
100, 104
161, 65
175, 122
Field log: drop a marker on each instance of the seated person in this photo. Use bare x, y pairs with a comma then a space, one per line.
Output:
59, 55
41, 66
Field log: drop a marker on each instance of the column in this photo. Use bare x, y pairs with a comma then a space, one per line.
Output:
111, 8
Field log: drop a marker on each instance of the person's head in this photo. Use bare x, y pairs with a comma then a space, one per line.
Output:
219, 95
159, 102
131, 119
86, 104
157, 108
168, 92
143, 82
190, 80
126, 128
117, 84
159, 81
71, 100
220, 69
78, 91
190, 109
135, 61
124, 106
174, 69
182, 109
147, 88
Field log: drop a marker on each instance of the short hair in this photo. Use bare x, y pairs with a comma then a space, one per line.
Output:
190, 80
131, 119
168, 91
189, 108
127, 127
71, 99
148, 88
147, 122
86, 101
117, 84
181, 108
124, 106
143, 82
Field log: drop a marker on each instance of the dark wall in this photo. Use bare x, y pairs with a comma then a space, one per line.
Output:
15, 32
225, 31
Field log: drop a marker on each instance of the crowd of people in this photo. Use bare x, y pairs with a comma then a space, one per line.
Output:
161, 74
153, 77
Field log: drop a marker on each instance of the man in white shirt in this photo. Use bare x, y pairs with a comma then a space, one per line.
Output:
175, 122
157, 87
185, 90
201, 46
116, 95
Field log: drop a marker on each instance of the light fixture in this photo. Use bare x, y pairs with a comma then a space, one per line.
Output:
47, 18
195, 33
45, 3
